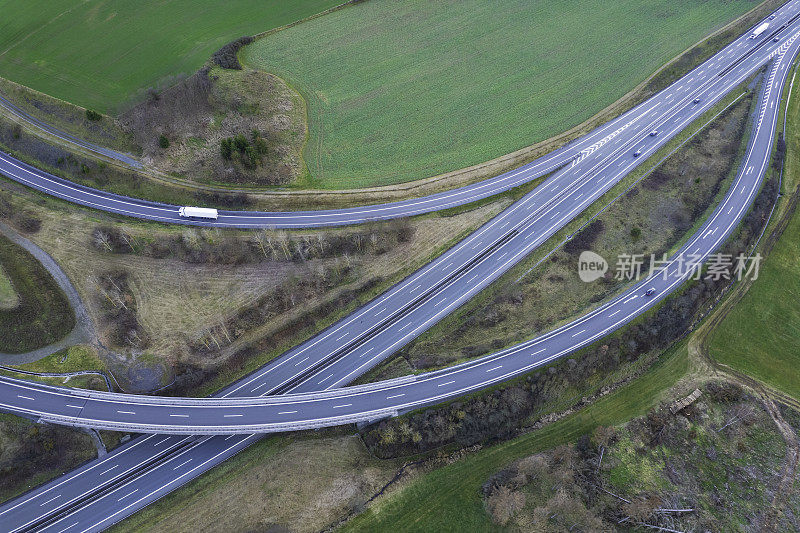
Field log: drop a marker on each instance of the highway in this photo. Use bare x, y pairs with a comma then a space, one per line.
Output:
593, 142
362, 340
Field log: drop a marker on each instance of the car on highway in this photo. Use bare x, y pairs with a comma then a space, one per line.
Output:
649, 292
637, 153
772, 17
653, 133
776, 39
696, 101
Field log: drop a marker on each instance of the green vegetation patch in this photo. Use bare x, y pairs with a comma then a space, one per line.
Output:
43, 314
9, 298
404, 90
101, 54
449, 498
32, 454
72, 359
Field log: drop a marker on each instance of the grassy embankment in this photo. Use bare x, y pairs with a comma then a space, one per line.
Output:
73, 359
42, 315
449, 498
392, 98
761, 334
8, 295
103, 55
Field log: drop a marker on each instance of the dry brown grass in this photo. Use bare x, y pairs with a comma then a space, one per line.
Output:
198, 113
175, 300
301, 485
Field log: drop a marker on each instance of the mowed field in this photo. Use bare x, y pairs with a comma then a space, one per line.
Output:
404, 90
102, 53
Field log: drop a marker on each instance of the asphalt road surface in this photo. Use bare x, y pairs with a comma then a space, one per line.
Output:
350, 347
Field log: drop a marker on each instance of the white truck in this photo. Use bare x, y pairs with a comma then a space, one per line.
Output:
198, 212
758, 31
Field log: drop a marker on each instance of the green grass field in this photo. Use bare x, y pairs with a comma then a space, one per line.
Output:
102, 54
43, 314
404, 90
8, 296
761, 335
449, 499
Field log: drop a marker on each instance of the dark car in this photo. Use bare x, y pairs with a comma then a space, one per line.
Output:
649, 292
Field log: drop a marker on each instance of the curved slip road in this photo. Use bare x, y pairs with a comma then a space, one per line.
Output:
190, 461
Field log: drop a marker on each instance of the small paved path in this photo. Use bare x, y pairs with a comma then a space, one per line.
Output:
82, 333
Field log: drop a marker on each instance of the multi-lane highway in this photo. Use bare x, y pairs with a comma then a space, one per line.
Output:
360, 341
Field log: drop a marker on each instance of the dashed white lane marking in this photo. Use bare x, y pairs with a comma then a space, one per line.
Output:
68, 527
578, 333
126, 412
74, 406
232, 416
107, 470
365, 353
129, 494
301, 361
50, 500
495, 368
24, 397
615, 312
162, 441
447, 383
395, 396
182, 464
286, 412
343, 405
179, 416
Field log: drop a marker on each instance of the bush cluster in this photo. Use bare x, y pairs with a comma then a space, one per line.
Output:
227, 56
94, 116
251, 151
118, 311
202, 247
